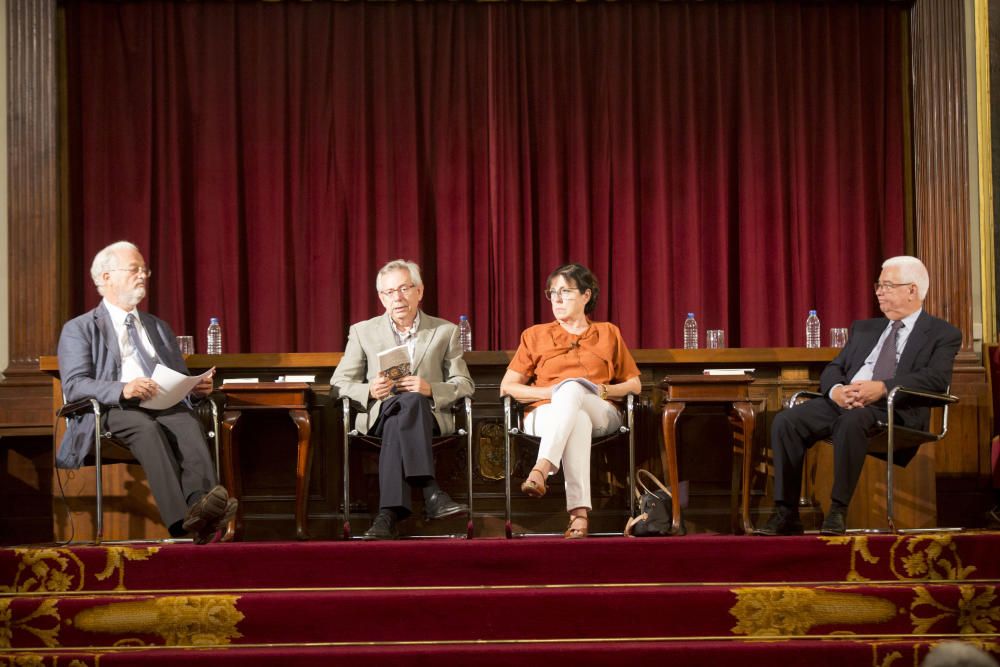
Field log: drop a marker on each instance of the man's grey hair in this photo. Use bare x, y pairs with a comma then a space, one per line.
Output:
911, 270
107, 259
399, 265
958, 654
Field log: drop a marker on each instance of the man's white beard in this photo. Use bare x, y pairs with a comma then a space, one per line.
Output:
133, 297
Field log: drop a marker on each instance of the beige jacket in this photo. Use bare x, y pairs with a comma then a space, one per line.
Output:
437, 358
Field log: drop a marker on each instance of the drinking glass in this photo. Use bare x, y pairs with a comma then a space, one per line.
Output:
186, 343
838, 337
715, 339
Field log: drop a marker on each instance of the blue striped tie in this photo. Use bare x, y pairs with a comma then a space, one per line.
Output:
148, 363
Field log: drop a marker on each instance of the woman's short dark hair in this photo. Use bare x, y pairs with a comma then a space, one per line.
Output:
581, 277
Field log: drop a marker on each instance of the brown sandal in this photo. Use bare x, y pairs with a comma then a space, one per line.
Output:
533, 488
576, 533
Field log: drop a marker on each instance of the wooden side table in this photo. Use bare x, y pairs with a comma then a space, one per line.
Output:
294, 399
730, 390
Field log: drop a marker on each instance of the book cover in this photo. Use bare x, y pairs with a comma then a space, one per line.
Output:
394, 363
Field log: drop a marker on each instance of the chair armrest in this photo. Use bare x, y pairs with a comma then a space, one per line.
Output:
80, 407
798, 396
921, 397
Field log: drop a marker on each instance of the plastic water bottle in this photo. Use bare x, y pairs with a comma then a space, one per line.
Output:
812, 329
690, 333
214, 336
465, 333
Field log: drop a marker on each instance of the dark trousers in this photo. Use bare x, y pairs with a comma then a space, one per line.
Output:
406, 426
170, 445
796, 429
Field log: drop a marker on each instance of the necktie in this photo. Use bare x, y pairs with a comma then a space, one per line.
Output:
148, 363
885, 364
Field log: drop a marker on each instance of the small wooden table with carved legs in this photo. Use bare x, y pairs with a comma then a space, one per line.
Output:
731, 390
291, 397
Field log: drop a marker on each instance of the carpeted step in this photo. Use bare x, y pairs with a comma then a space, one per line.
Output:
527, 561
520, 613
830, 652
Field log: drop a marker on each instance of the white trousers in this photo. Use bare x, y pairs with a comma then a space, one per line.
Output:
566, 426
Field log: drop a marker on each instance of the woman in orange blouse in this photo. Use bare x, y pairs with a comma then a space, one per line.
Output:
568, 415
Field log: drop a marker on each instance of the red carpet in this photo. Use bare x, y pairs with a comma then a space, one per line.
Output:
808, 600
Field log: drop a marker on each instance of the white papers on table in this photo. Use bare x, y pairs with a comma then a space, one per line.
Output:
728, 371
587, 384
240, 381
174, 387
296, 378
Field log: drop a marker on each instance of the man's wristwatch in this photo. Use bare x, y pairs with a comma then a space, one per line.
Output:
604, 392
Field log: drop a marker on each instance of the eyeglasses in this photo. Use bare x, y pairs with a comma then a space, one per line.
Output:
888, 287
136, 270
564, 294
402, 290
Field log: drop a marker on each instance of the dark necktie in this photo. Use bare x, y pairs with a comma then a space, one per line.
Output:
148, 363
885, 365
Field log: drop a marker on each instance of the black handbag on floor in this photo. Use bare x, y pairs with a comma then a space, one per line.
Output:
655, 508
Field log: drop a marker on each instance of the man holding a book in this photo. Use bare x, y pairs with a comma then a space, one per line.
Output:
404, 370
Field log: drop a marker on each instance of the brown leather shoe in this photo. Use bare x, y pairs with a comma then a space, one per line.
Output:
532, 488
211, 530
207, 511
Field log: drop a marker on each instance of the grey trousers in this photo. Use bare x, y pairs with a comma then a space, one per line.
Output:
406, 425
170, 445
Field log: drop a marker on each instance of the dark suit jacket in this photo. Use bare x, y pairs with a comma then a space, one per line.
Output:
90, 365
926, 362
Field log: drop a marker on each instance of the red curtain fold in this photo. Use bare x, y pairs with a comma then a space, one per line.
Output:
740, 160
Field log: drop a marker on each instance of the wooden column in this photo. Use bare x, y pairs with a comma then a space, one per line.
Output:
942, 217
34, 317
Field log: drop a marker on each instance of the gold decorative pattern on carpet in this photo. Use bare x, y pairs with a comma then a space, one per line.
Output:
890, 654
47, 661
910, 558
46, 570
116, 562
976, 611
187, 620
773, 611
51, 570
46, 609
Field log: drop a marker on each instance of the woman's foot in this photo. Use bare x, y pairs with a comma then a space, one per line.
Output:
577, 528
534, 486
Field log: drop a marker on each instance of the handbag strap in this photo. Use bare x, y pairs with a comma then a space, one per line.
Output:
652, 479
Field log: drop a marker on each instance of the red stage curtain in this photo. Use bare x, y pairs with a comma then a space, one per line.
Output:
740, 160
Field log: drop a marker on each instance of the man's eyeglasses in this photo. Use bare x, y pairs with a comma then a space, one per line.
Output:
136, 270
402, 290
888, 287
563, 294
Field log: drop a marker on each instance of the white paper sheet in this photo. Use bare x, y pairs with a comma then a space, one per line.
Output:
173, 387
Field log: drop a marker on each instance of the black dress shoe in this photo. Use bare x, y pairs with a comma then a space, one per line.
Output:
440, 505
383, 527
835, 522
783, 521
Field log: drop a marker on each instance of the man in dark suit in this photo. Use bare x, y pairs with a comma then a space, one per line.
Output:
407, 411
907, 348
110, 354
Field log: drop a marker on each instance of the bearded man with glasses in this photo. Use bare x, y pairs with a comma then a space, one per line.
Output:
408, 411
110, 354
907, 347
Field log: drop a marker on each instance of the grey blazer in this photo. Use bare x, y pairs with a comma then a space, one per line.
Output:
437, 358
90, 366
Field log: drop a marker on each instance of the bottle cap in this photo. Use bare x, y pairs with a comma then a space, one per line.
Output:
213, 320
462, 317
690, 314
812, 312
